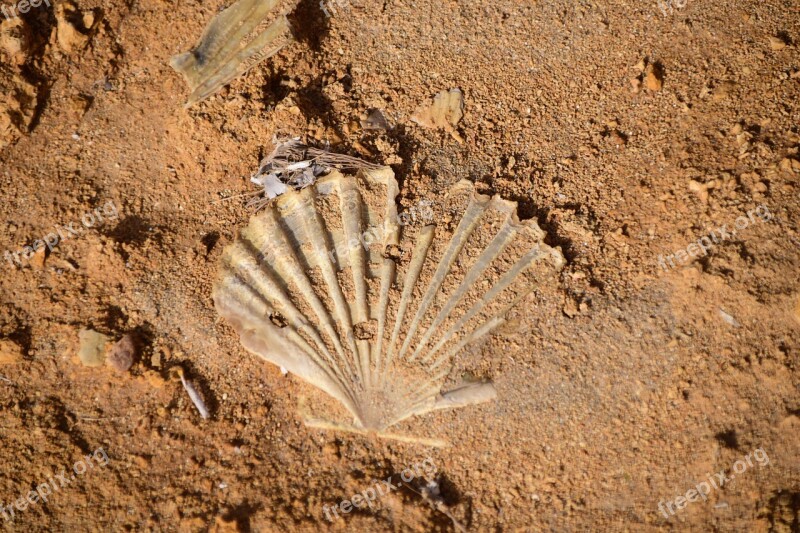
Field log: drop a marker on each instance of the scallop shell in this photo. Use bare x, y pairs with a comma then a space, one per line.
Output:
371, 307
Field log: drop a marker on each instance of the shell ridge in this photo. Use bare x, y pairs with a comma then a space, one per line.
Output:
387, 277
466, 226
248, 317
504, 235
480, 331
422, 395
288, 265
524, 263
388, 270
303, 367
418, 257
313, 226
262, 275
352, 207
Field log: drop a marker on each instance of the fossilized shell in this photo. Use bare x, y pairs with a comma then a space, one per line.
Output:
231, 44
371, 307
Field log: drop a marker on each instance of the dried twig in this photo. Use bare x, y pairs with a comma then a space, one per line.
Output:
6, 380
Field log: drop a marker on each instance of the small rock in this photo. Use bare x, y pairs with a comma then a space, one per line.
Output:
789, 164
618, 138
10, 352
654, 77
776, 43
122, 355
366, 330
700, 189
15, 39
92, 347
723, 90
69, 36
570, 308
375, 120
224, 525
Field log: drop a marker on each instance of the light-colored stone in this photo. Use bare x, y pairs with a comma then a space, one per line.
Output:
92, 347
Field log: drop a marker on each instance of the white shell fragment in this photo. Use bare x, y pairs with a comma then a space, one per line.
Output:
233, 43
328, 283
728, 318
197, 400
445, 112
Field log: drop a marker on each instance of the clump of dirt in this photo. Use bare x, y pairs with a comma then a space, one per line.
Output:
18, 97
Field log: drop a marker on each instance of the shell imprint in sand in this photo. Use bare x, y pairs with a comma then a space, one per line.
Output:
327, 283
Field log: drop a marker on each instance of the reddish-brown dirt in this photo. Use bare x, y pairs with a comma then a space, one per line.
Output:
628, 130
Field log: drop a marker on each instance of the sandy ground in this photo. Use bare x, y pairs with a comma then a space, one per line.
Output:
628, 130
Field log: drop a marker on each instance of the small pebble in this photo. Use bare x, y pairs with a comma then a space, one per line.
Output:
92, 347
776, 43
375, 120
728, 318
654, 78
121, 356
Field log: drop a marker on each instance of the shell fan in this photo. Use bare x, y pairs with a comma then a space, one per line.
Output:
371, 307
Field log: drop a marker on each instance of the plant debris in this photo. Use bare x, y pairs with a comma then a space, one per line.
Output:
295, 165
